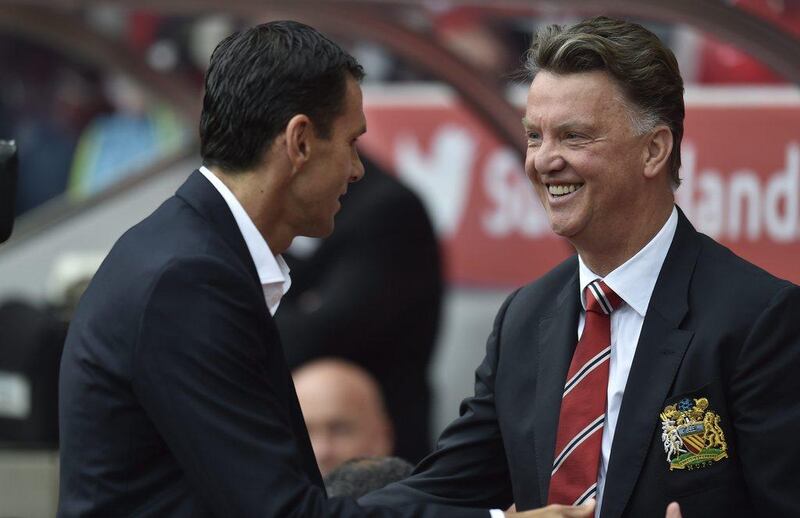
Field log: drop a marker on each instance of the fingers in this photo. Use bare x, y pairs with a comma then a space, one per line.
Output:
584, 511
558, 511
673, 510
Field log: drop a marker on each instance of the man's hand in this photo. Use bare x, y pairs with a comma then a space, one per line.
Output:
584, 511
558, 511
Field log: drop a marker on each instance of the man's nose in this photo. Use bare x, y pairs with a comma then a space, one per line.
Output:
547, 158
358, 171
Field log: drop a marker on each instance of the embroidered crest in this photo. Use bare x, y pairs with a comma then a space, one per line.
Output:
692, 435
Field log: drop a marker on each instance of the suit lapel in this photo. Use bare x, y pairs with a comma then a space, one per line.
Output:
198, 192
557, 337
658, 355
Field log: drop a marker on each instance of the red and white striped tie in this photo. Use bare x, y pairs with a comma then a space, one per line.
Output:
583, 406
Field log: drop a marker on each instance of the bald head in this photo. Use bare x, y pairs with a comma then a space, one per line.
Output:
344, 412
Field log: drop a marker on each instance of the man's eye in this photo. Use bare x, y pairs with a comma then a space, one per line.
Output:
534, 135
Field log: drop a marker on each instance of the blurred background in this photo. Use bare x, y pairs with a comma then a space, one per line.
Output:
103, 99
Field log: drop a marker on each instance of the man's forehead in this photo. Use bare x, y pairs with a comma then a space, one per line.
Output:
564, 114
354, 108
576, 98
549, 84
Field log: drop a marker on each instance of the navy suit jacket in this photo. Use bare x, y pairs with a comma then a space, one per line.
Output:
717, 327
175, 397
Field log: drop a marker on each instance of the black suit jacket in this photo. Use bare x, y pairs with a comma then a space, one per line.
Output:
370, 294
717, 327
175, 398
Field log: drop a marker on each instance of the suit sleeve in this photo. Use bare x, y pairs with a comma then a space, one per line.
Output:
468, 467
201, 373
766, 406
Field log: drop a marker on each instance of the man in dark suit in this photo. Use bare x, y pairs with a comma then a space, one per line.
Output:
683, 357
175, 397
370, 294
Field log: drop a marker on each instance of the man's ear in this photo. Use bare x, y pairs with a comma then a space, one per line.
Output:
299, 139
657, 151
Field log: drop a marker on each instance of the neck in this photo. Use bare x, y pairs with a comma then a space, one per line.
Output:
260, 193
612, 250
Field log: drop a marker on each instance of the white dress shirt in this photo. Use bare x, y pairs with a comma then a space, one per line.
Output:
273, 272
633, 281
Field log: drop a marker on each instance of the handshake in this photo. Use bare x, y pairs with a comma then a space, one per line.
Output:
584, 511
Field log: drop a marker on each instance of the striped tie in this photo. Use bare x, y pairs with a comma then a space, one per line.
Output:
583, 405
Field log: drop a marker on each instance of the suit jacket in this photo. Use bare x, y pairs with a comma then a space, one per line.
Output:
175, 397
370, 294
717, 327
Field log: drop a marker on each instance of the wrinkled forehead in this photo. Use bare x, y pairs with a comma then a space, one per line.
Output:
582, 96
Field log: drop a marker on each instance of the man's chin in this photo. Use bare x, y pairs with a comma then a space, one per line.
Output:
563, 230
559, 229
321, 231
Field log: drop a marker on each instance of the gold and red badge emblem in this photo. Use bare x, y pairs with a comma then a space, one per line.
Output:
692, 435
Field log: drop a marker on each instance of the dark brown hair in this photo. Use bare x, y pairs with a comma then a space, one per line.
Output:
258, 79
643, 67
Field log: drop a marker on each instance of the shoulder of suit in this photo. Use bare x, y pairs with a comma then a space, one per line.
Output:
718, 265
556, 277
175, 238
549, 285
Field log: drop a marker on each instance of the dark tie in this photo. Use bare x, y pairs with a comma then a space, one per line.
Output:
573, 479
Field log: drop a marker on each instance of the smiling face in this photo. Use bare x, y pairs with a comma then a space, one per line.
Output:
333, 164
585, 160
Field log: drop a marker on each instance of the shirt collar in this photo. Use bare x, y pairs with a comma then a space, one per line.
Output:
635, 279
272, 269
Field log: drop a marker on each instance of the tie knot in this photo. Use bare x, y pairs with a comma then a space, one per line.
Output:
600, 298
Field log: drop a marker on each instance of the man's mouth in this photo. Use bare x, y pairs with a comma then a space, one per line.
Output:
558, 190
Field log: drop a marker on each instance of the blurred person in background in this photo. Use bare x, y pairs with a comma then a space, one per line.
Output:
370, 294
30, 345
344, 413
30, 351
47, 101
175, 398
139, 132
53, 122
473, 34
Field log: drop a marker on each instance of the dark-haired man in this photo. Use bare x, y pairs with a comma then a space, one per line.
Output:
175, 398
653, 366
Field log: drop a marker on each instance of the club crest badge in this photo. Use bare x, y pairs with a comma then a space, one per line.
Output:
692, 435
